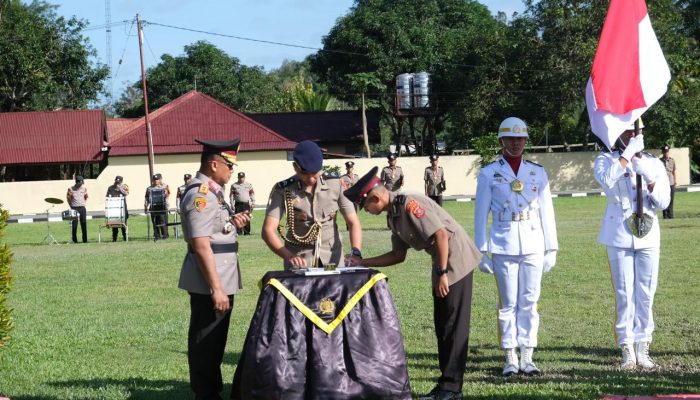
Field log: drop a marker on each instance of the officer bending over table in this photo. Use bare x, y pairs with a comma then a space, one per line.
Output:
210, 271
418, 222
310, 203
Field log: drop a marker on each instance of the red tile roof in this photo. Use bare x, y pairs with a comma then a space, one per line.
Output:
52, 137
194, 115
115, 125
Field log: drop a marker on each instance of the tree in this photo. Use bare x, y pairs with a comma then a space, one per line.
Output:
44, 60
457, 41
5, 282
213, 72
361, 82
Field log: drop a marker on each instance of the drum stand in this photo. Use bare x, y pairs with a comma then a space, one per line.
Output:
49, 239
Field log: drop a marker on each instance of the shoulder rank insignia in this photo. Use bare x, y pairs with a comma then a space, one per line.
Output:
203, 189
533, 163
416, 209
200, 203
400, 199
286, 182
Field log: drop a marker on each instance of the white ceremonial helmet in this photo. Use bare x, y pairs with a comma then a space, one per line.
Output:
512, 127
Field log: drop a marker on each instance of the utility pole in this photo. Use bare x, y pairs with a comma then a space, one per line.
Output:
149, 137
108, 23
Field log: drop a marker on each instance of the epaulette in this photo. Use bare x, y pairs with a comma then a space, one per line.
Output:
197, 185
286, 182
400, 199
533, 163
500, 161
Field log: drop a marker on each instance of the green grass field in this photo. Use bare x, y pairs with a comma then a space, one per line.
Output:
106, 321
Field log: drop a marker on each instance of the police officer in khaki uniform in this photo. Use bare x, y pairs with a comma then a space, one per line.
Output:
670, 165
119, 189
77, 197
210, 271
418, 222
350, 178
187, 178
309, 204
242, 197
392, 174
434, 178
159, 218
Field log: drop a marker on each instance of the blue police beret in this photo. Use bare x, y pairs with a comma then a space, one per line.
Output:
309, 157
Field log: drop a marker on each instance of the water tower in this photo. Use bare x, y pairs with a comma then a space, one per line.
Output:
415, 104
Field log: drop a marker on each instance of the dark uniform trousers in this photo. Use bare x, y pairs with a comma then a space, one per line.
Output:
160, 224
241, 206
668, 211
82, 212
206, 341
451, 315
437, 199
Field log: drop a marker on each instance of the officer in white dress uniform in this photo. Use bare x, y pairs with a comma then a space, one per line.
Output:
522, 241
634, 261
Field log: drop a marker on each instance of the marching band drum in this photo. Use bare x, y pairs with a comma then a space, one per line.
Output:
157, 200
115, 214
70, 215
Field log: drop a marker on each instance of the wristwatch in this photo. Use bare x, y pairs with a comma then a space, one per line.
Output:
439, 271
355, 252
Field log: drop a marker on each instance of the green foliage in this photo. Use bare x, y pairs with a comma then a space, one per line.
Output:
213, 72
44, 60
5, 282
487, 147
333, 170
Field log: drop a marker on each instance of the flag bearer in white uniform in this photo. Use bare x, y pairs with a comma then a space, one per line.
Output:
522, 241
634, 260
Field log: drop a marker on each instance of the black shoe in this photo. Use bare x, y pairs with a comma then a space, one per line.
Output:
439, 394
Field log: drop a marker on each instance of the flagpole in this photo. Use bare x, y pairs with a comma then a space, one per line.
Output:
640, 205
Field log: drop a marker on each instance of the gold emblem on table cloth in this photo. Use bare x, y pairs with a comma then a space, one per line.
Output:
326, 306
517, 186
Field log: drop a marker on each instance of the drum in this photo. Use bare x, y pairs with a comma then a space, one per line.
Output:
70, 215
115, 213
157, 200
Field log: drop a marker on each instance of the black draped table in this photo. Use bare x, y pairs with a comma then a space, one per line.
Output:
323, 337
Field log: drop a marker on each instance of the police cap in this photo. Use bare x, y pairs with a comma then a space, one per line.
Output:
358, 192
187, 176
349, 164
391, 157
118, 179
308, 156
157, 176
434, 157
228, 149
79, 178
241, 174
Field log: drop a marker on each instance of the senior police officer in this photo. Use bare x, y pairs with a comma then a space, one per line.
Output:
434, 178
310, 203
242, 197
119, 189
187, 178
418, 222
633, 254
210, 271
392, 174
77, 196
522, 241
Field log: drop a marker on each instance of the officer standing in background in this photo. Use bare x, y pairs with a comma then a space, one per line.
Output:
670, 165
522, 241
242, 197
77, 197
392, 174
633, 256
348, 179
119, 189
181, 189
434, 178
158, 218
418, 222
210, 271
310, 203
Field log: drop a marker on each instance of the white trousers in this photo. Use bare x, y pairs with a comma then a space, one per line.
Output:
635, 274
519, 280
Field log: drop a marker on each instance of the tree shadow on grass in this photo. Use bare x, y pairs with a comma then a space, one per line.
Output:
134, 388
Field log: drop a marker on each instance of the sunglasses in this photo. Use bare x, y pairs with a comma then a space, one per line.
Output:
223, 161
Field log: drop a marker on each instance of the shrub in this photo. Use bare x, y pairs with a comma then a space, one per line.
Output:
5, 282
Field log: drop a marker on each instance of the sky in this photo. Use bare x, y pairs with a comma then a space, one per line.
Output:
297, 22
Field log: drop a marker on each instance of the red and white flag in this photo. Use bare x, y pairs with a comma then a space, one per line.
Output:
629, 71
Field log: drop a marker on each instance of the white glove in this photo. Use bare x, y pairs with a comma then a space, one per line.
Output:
644, 168
635, 145
486, 265
550, 259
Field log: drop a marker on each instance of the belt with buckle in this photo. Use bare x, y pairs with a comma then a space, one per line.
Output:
217, 248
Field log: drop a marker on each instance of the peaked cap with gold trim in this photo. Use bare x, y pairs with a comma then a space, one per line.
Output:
228, 149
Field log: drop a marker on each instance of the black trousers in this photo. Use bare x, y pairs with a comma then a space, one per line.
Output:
115, 231
206, 341
668, 211
241, 206
82, 212
160, 224
437, 199
451, 315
